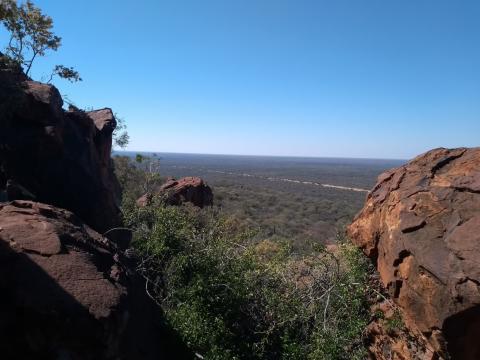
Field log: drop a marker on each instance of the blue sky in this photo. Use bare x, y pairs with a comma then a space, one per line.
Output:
357, 78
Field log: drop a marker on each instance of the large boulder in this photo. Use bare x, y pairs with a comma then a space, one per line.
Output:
55, 156
62, 288
176, 192
421, 226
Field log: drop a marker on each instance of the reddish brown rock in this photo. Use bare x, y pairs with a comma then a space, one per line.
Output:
62, 290
176, 192
421, 226
387, 338
56, 157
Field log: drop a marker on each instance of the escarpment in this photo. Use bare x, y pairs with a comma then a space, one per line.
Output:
54, 156
421, 226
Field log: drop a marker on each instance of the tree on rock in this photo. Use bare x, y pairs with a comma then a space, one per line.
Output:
31, 36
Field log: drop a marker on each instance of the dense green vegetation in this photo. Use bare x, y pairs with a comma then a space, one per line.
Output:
231, 295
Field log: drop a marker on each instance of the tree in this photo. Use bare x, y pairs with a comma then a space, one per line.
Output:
67, 73
31, 36
3, 10
120, 134
151, 171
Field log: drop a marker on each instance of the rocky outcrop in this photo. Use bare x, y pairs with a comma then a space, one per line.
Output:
63, 289
176, 192
421, 226
54, 156
66, 293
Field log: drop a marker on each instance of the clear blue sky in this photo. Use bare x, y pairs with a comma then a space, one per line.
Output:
357, 78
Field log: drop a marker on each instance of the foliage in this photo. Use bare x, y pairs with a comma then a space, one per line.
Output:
67, 73
233, 298
120, 134
151, 170
31, 36
136, 177
129, 176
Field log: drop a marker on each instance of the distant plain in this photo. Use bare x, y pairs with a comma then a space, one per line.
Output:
303, 200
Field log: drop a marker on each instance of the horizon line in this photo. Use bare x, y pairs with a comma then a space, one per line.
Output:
260, 155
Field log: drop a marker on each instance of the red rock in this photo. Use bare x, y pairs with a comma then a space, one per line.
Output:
421, 226
395, 343
176, 192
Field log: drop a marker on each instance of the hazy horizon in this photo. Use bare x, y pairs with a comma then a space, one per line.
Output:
253, 155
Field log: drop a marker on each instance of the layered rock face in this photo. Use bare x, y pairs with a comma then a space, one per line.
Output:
63, 290
53, 156
189, 189
421, 226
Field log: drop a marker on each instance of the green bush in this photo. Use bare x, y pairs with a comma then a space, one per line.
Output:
230, 297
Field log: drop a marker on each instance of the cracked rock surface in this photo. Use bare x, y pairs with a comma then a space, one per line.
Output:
421, 226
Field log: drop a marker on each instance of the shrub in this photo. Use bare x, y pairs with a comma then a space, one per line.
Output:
231, 298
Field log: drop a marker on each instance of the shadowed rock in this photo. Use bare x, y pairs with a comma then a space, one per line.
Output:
64, 294
67, 294
62, 288
57, 157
